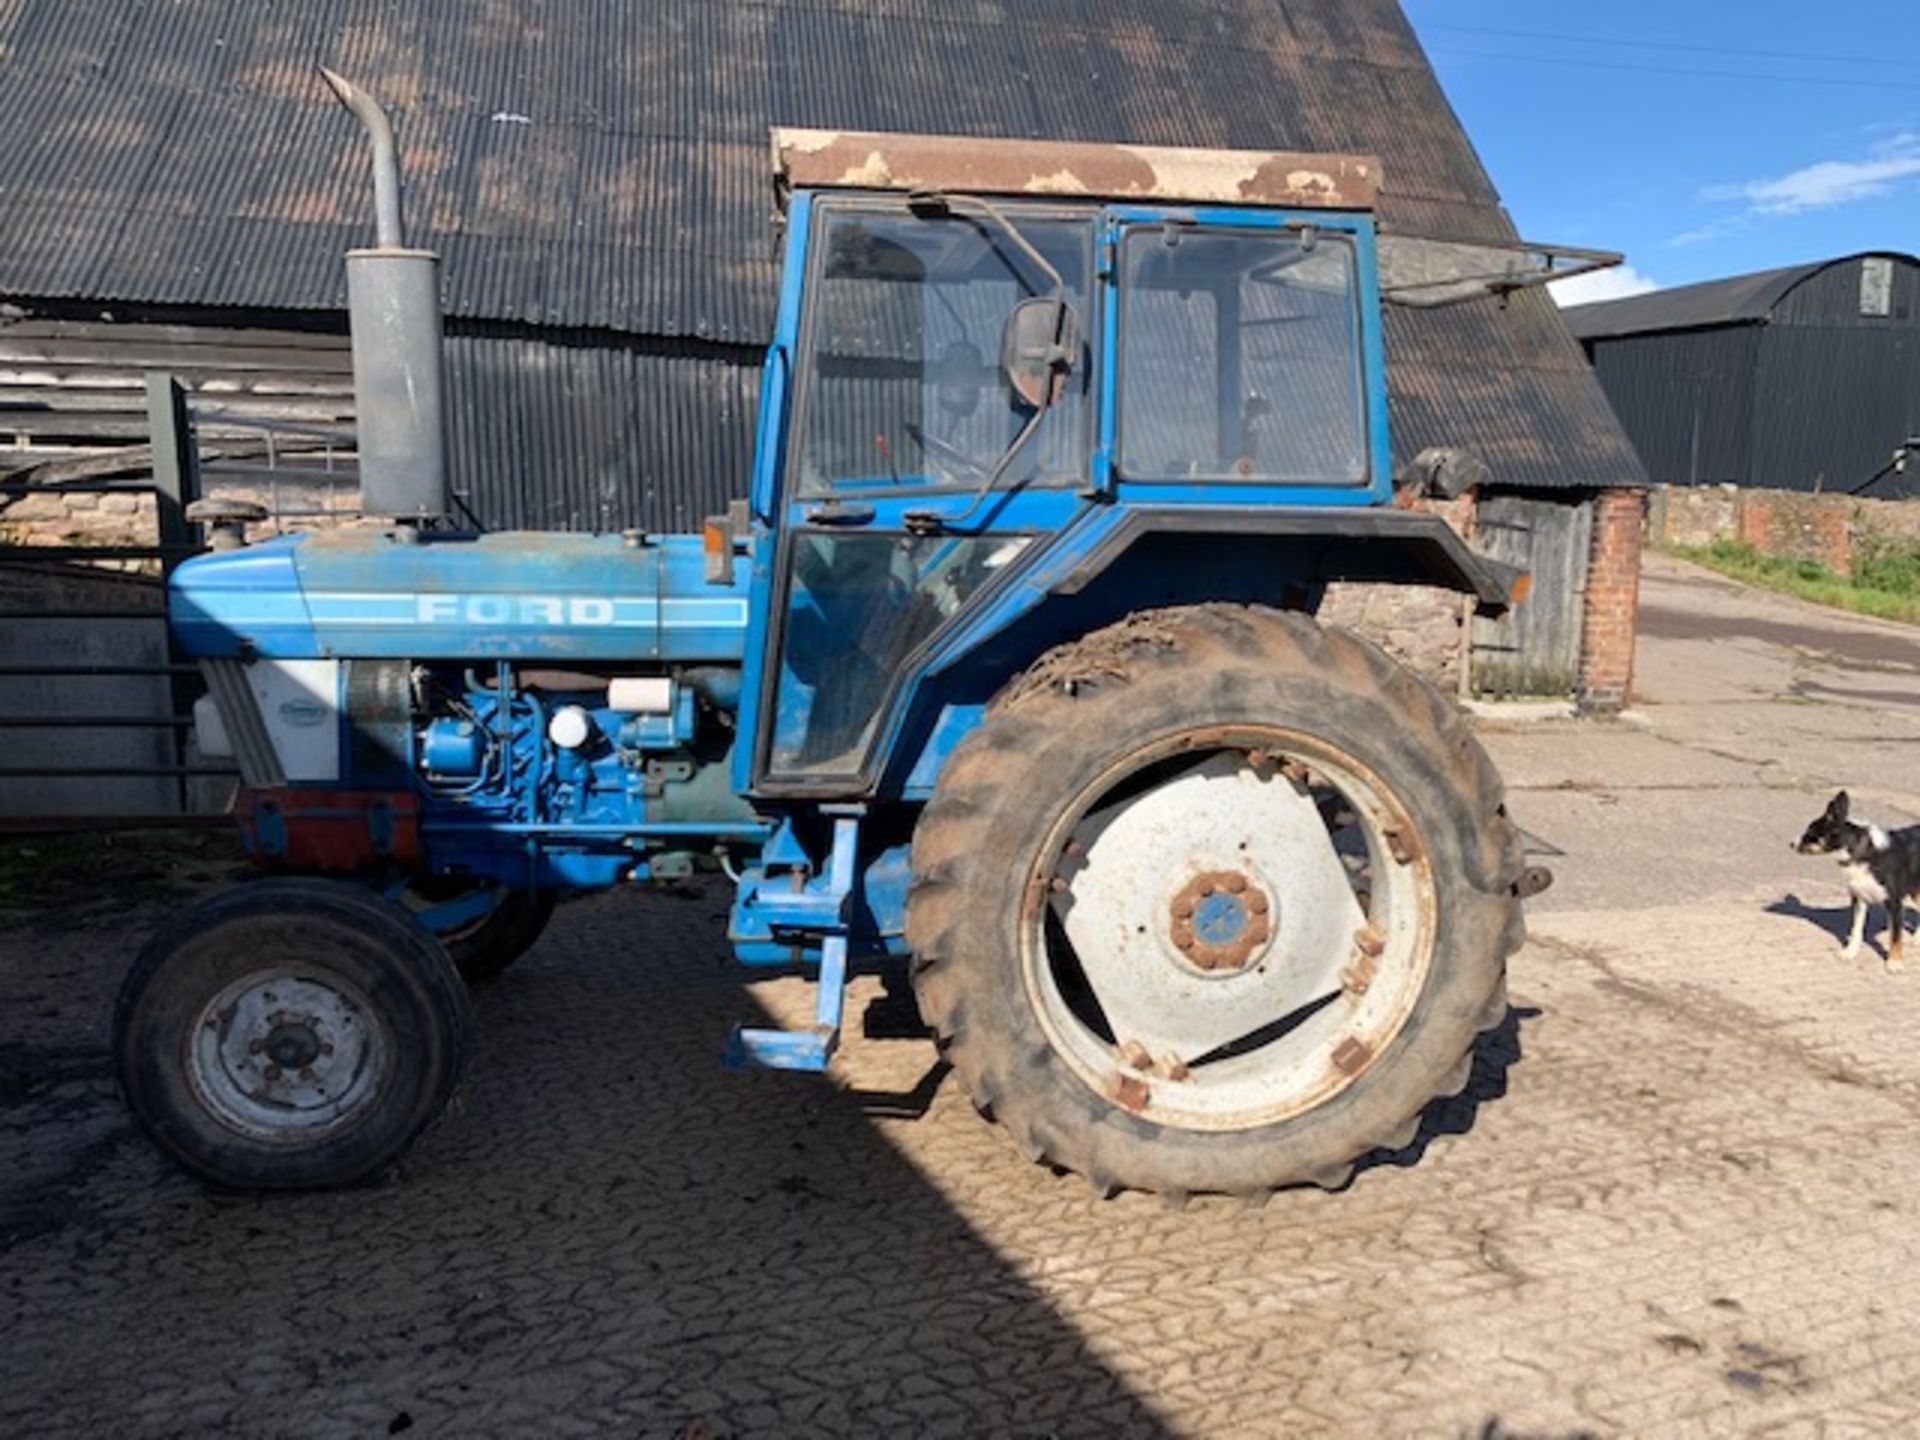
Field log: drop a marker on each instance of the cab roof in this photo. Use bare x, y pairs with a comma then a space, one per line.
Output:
866, 160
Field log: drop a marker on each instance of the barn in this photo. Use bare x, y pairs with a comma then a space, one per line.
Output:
177, 189
1804, 378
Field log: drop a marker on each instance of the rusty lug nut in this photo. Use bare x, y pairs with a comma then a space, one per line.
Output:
1183, 910
1074, 847
1206, 888
1058, 886
306, 1072
1352, 1055
1257, 933
1131, 1091
1183, 939
1401, 845
1135, 1054
1235, 884
1257, 903
326, 1047
1176, 1069
1371, 942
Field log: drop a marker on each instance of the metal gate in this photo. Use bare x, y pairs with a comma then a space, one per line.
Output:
1534, 650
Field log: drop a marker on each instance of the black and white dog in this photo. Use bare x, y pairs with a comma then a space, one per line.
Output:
1883, 868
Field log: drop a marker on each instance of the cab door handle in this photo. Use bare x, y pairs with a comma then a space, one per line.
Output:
834, 512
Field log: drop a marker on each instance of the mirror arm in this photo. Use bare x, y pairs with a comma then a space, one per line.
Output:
932, 522
1007, 228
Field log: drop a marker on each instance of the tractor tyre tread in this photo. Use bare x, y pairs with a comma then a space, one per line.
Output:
961, 968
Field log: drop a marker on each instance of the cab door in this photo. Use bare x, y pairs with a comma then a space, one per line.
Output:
917, 474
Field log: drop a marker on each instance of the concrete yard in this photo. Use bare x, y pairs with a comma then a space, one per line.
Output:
1680, 1196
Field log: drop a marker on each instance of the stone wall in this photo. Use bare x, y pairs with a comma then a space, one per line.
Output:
1421, 627
80, 517
1829, 529
74, 518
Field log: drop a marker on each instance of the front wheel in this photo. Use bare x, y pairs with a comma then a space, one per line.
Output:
487, 944
290, 1034
1214, 900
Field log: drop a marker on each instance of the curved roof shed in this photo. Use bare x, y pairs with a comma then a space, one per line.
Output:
1739, 300
1802, 378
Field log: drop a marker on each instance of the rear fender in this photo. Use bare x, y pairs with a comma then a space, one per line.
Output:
1140, 558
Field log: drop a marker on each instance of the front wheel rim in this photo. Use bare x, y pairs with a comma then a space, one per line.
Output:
288, 1058
1229, 927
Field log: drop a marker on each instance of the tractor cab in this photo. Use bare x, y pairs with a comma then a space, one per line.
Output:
989, 352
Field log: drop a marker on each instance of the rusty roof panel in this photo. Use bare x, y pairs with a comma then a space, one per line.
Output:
866, 160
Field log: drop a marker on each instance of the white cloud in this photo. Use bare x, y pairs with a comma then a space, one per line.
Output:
1830, 182
1614, 284
1712, 230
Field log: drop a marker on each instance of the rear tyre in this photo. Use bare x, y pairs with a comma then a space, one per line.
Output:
1214, 900
290, 1034
482, 948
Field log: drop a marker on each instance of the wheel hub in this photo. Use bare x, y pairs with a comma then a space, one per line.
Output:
291, 1046
1220, 920
1234, 940
284, 1057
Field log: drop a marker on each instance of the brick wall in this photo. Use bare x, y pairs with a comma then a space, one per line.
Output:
1612, 600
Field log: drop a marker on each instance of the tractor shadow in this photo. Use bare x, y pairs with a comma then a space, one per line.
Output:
1495, 1052
609, 1233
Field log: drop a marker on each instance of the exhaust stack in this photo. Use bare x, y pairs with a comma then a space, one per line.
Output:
393, 303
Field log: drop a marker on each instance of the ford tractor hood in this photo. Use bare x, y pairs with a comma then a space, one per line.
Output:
525, 596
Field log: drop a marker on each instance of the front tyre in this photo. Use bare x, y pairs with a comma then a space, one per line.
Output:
291, 1034
1213, 900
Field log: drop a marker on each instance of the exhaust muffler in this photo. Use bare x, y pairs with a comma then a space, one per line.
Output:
399, 379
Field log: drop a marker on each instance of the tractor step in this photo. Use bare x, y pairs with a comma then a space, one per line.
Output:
808, 1049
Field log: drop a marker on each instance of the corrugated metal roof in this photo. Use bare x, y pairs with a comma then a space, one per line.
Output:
595, 163
1737, 300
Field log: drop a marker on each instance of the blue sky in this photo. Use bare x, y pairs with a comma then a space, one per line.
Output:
1702, 137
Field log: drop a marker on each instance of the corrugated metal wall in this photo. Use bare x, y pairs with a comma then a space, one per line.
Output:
1687, 401
549, 429
584, 432
1831, 405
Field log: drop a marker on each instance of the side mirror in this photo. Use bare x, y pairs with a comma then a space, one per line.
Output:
1443, 473
1037, 349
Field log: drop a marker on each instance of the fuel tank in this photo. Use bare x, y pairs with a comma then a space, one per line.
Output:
381, 594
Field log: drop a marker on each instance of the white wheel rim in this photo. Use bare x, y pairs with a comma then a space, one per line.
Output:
1240, 970
288, 1059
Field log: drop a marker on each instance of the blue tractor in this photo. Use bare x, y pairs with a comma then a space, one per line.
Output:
1005, 677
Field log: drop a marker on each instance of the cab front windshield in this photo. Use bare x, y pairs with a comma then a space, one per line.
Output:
904, 386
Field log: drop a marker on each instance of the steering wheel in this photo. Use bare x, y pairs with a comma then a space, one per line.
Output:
954, 453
